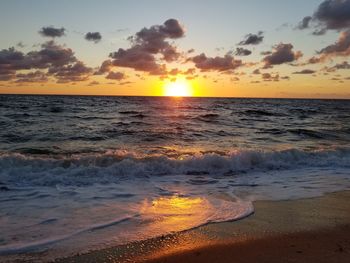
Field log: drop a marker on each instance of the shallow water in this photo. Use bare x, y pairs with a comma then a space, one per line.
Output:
79, 173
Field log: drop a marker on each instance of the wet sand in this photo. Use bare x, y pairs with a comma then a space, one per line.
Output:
308, 230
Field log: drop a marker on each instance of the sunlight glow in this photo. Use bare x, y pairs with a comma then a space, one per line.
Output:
178, 88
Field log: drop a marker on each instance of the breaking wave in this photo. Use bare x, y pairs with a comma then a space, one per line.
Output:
87, 169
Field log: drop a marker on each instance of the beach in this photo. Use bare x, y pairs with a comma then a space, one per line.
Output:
307, 230
148, 177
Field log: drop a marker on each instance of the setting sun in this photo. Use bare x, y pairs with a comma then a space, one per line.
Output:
178, 88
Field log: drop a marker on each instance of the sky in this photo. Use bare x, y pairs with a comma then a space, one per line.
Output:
223, 48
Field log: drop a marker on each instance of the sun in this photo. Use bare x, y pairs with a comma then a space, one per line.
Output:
178, 88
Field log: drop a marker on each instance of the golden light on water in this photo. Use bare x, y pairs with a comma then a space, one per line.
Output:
175, 213
175, 204
178, 88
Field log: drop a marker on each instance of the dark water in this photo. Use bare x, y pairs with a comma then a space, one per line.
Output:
148, 125
80, 173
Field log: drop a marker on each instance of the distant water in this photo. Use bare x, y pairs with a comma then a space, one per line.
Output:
79, 173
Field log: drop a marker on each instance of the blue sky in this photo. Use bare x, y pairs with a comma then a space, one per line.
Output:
209, 24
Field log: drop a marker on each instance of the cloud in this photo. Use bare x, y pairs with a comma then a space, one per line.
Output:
252, 39
270, 77
72, 72
305, 71
105, 67
285, 77
58, 60
339, 66
329, 15
190, 71
93, 36
115, 75
340, 47
265, 53
225, 63
305, 23
36, 76
343, 65
51, 55
20, 44
242, 52
51, 31
281, 53
147, 44
93, 83
138, 59
333, 14
319, 32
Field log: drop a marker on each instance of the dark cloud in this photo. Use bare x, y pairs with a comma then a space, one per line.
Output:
252, 39
282, 53
270, 77
105, 67
174, 72
225, 63
72, 72
265, 53
305, 71
20, 44
147, 44
330, 15
319, 32
58, 60
339, 66
305, 23
344, 65
93, 36
7, 74
314, 60
93, 83
51, 55
36, 76
242, 52
115, 75
334, 14
190, 71
52, 31
137, 59
339, 48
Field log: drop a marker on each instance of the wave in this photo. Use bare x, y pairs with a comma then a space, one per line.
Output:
40, 244
262, 113
110, 167
312, 134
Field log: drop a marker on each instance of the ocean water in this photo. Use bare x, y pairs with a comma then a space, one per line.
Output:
80, 173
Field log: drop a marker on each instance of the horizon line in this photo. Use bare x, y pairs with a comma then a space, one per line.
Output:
162, 96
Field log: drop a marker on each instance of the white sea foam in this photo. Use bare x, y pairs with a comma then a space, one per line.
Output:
111, 167
84, 202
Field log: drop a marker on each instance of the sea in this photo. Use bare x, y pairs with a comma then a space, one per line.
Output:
79, 173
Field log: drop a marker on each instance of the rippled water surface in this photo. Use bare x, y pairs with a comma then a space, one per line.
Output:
89, 172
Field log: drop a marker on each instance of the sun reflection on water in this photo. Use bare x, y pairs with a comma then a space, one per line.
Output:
175, 213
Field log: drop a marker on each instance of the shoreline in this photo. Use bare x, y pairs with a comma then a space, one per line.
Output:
315, 229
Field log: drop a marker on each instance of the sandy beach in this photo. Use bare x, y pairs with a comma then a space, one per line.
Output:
308, 230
